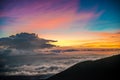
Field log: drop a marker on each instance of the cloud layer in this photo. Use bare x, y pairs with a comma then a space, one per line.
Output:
41, 64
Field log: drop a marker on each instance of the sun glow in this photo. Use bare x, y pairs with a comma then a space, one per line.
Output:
67, 43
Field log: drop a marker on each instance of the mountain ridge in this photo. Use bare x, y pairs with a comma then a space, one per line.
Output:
106, 68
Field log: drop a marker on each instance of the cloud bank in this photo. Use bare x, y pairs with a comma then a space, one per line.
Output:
25, 41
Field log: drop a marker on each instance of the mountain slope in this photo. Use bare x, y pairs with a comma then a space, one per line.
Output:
107, 68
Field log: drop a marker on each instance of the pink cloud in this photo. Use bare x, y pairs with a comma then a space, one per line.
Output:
46, 15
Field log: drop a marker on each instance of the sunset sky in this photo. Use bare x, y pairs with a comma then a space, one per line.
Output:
81, 23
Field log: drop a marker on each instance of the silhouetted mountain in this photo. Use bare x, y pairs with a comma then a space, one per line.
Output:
107, 68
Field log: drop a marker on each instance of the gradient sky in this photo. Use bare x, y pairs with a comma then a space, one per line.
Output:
83, 23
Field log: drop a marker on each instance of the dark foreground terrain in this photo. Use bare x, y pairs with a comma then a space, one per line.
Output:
103, 69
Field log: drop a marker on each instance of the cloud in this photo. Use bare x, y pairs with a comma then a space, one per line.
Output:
118, 32
33, 69
70, 50
105, 40
39, 15
25, 41
62, 51
43, 64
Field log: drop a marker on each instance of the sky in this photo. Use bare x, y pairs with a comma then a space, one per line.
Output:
79, 23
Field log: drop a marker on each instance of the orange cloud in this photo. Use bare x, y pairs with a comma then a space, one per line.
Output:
102, 45
108, 40
88, 39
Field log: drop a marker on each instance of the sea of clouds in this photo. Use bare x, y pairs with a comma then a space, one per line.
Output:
41, 64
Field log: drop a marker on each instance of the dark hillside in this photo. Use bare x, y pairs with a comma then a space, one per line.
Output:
107, 68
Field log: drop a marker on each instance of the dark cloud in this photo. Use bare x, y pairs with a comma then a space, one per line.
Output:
56, 51
66, 50
5, 52
70, 50
118, 32
25, 41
